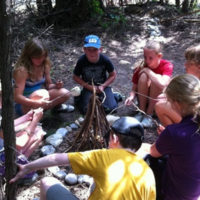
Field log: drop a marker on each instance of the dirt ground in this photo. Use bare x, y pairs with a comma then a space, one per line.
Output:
120, 44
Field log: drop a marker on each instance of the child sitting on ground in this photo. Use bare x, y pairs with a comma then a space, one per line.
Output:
34, 87
118, 173
28, 133
92, 68
166, 114
179, 179
149, 81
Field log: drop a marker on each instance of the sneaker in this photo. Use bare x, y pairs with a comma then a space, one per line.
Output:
139, 116
118, 96
148, 122
64, 108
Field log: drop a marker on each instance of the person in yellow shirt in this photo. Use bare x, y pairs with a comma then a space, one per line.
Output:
118, 172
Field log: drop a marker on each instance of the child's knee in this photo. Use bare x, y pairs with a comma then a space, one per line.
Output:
47, 182
40, 94
143, 79
159, 106
65, 93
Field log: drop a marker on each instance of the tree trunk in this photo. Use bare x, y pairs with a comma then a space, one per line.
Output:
178, 3
192, 4
44, 7
70, 13
102, 6
7, 95
185, 6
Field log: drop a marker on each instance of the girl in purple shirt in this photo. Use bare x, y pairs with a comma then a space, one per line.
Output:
181, 142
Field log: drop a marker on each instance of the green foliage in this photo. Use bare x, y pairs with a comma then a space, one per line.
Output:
94, 7
111, 20
115, 20
195, 5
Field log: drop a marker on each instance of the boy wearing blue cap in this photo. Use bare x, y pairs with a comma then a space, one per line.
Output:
118, 172
94, 67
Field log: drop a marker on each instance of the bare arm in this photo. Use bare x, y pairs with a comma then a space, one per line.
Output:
89, 87
110, 79
59, 159
129, 100
24, 118
48, 82
22, 137
20, 75
82, 83
154, 152
160, 80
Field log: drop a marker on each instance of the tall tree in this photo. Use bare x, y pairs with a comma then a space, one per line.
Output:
192, 3
7, 95
68, 13
44, 7
178, 3
185, 6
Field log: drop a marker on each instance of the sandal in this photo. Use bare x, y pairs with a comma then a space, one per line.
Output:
64, 108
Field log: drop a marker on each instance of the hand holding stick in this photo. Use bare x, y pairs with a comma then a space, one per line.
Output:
76, 91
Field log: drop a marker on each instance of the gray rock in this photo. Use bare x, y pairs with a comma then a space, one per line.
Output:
92, 186
74, 126
60, 174
80, 119
62, 131
71, 179
54, 169
89, 182
69, 129
83, 178
47, 150
55, 140
77, 123
124, 62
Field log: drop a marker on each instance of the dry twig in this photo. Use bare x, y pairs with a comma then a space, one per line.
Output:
94, 127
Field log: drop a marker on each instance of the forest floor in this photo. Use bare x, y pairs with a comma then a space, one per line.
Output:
123, 45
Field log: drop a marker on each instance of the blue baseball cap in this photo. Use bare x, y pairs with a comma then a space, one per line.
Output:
92, 41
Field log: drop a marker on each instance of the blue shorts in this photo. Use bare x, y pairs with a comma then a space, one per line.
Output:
59, 191
18, 109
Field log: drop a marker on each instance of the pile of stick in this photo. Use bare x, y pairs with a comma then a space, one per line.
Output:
94, 127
